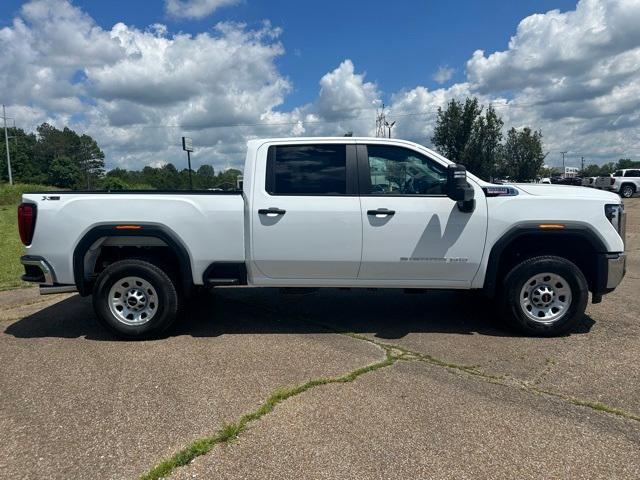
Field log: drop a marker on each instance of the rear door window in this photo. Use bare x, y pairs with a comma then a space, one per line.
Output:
307, 170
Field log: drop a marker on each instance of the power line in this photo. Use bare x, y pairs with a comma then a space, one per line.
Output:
378, 111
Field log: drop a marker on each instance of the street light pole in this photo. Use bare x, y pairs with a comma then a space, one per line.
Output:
564, 171
187, 146
389, 126
6, 142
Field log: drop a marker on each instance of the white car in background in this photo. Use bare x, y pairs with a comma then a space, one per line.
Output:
625, 182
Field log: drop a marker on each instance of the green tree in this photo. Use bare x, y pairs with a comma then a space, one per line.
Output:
21, 146
228, 180
114, 183
454, 128
483, 150
168, 177
205, 177
592, 171
523, 157
624, 163
63, 172
465, 135
90, 160
607, 169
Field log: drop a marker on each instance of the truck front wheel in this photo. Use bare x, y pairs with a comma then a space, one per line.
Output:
135, 299
545, 296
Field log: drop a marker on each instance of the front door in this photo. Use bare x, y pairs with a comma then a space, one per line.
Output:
306, 217
413, 234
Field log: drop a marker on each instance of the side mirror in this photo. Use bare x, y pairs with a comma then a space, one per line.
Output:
457, 187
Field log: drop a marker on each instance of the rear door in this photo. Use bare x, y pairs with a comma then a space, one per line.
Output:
413, 234
306, 218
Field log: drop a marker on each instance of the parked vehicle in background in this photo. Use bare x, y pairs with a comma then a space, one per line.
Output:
625, 182
588, 181
575, 181
330, 212
546, 181
603, 182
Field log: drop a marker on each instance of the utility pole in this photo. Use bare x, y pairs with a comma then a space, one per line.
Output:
563, 168
582, 165
6, 142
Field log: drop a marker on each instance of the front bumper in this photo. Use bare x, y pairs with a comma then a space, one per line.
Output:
610, 270
616, 269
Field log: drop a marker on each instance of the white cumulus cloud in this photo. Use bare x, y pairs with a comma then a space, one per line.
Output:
443, 74
195, 8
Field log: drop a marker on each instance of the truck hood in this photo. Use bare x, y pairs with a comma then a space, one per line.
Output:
547, 190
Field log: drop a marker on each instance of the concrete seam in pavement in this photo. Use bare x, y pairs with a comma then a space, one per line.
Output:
230, 432
474, 370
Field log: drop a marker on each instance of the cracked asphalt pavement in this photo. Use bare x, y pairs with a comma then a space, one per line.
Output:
463, 397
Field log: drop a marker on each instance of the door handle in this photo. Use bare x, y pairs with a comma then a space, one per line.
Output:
381, 211
271, 211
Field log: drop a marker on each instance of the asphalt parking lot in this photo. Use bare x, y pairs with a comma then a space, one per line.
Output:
447, 392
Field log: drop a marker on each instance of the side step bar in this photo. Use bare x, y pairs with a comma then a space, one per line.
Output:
48, 290
215, 282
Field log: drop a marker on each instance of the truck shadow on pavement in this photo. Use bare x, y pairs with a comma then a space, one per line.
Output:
389, 314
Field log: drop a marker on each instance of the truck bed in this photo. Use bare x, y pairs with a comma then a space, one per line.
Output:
204, 221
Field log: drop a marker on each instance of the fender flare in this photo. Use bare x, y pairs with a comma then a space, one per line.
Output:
491, 273
145, 230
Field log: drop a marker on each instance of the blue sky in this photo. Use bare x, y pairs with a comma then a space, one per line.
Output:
136, 75
398, 44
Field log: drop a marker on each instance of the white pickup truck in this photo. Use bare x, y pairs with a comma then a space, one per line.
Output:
625, 182
330, 212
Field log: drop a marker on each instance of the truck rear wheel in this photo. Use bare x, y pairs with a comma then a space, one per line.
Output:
135, 299
627, 190
545, 296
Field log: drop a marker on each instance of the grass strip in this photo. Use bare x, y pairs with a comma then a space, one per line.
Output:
594, 405
231, 431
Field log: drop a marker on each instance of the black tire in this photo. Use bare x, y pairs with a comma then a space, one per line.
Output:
165, 299
513, 286
627, 190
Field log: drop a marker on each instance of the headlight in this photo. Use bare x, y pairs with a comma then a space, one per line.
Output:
615, 214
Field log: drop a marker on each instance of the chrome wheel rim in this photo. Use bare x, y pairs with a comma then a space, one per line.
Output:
133, 301
545, 298
627, 192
